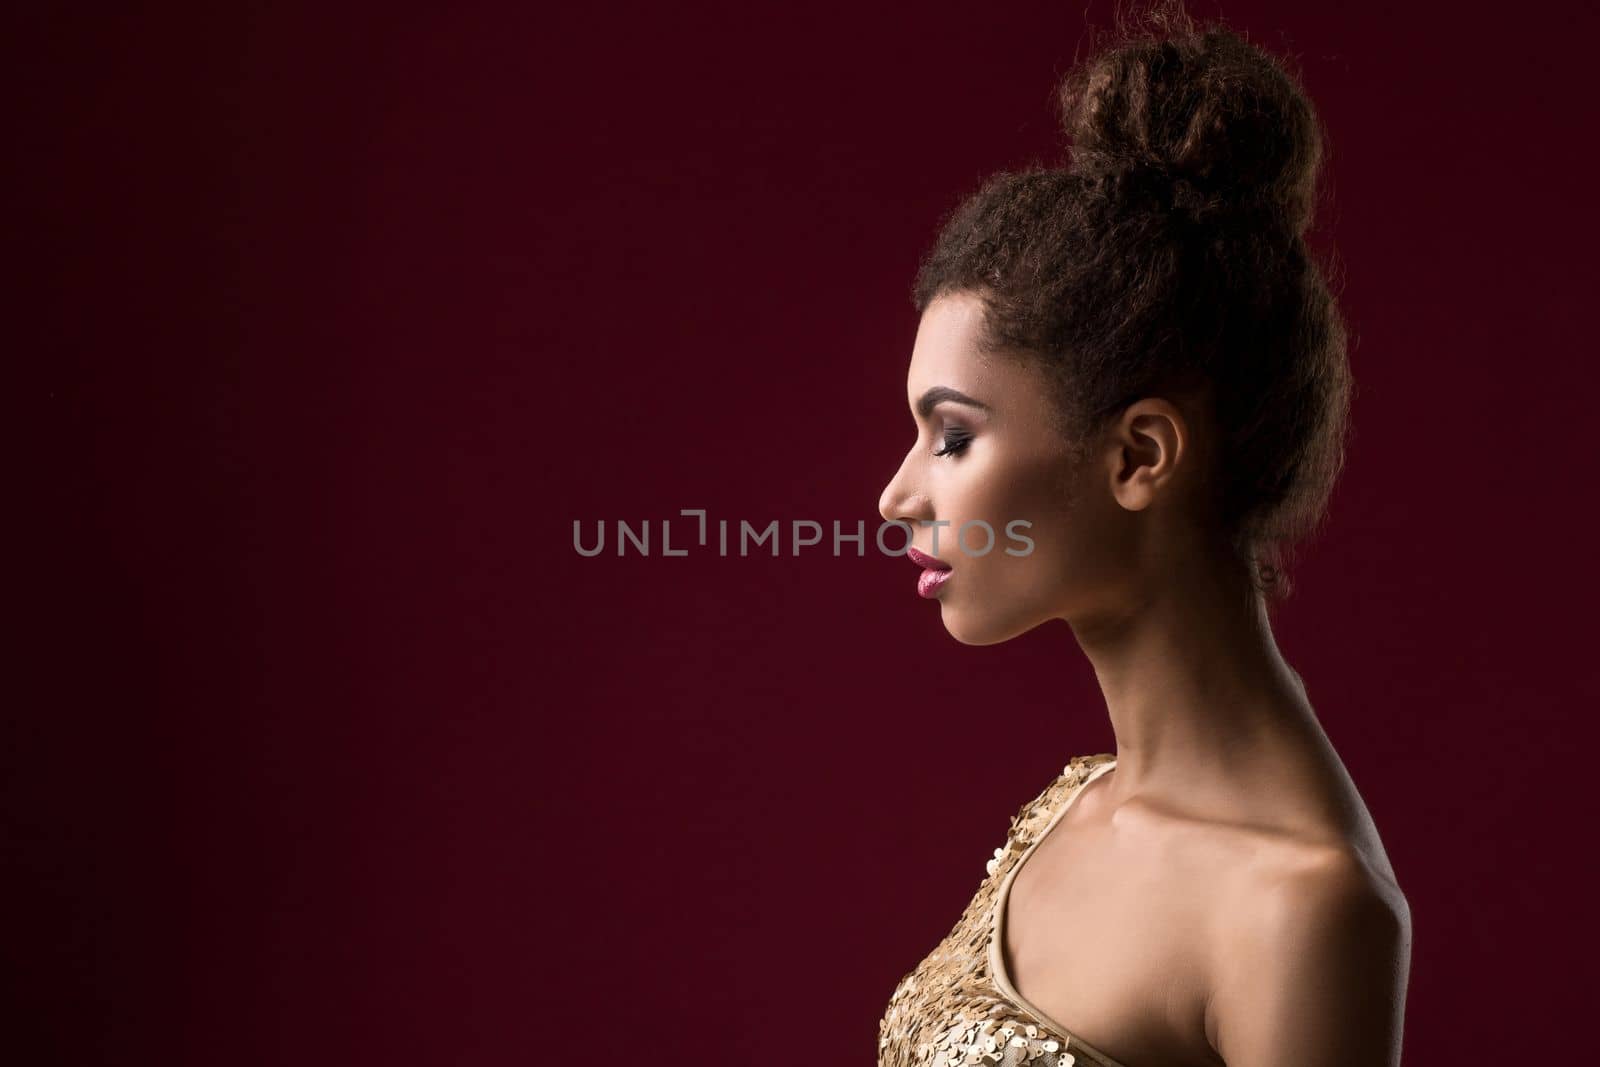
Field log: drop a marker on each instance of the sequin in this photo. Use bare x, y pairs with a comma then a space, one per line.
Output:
952, 996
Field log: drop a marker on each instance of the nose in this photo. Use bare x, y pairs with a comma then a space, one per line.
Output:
901, 499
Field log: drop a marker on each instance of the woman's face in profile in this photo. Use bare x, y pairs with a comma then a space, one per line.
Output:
987, 450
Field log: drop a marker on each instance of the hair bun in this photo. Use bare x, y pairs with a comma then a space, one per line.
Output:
1196, 115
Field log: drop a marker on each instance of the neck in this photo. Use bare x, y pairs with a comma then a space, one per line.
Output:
1195, 685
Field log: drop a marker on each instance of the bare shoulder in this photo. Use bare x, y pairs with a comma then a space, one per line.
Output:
1310, 961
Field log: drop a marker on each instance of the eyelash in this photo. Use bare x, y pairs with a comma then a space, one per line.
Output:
954, 444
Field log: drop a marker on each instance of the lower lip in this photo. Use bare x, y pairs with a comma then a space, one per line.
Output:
931, 582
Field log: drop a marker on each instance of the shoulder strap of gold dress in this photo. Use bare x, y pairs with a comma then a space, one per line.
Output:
1035, 815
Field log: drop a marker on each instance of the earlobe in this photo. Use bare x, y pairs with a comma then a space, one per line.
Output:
1130, 482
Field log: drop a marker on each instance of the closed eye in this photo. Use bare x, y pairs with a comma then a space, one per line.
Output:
955, 442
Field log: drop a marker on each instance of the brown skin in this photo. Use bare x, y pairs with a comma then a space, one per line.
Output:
1222, 895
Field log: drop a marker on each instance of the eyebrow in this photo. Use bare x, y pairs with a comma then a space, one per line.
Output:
941, 393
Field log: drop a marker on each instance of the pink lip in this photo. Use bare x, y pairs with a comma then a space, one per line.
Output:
934, 574
929, 583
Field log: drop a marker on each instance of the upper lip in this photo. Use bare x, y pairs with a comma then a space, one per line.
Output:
922, 559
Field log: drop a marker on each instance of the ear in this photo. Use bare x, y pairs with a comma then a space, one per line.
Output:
1144, 447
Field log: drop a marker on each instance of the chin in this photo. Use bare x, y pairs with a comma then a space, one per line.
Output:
980, 631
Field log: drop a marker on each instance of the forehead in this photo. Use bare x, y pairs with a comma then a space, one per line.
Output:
946, 349
946, 353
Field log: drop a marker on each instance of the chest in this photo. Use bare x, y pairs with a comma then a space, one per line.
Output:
1111, 941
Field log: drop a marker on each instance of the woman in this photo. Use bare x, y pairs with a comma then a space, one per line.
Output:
1137, 356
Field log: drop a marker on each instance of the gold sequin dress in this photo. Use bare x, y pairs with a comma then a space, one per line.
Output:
958, 1006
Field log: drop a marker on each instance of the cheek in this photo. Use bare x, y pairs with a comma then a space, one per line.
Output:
1033, 493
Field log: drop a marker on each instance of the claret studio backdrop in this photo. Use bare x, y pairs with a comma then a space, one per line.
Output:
333, 748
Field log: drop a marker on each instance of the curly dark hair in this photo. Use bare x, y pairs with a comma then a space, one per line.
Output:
1170, 252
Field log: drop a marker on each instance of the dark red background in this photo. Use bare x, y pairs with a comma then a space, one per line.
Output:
332, 325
